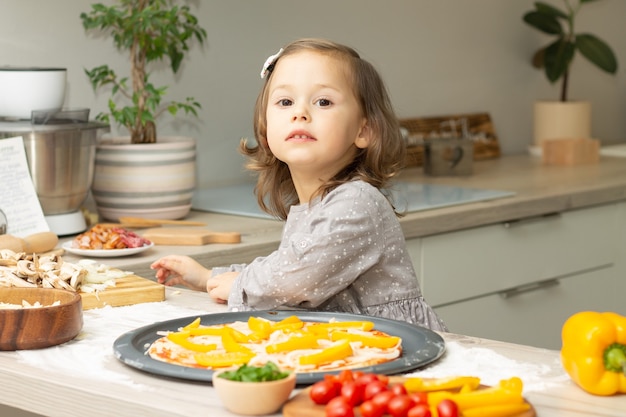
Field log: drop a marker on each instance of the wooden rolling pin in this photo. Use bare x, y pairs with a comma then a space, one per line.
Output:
35, 243
139, 222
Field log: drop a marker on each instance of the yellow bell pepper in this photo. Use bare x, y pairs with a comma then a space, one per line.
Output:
366, 340
594, 351
416, 384
508, 391
296, 342
337, 351
182, 339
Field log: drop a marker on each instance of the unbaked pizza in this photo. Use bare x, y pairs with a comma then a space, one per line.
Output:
292, 344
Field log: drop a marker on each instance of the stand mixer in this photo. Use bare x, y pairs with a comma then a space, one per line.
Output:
60, 150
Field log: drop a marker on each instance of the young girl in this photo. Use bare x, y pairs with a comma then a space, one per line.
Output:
327, 142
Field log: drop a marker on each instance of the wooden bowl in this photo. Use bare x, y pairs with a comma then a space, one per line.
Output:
253, 398
39, 327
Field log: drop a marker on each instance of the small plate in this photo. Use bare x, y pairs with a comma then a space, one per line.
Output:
105, 253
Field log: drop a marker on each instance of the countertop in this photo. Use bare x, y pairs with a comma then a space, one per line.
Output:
539, 190
83, 378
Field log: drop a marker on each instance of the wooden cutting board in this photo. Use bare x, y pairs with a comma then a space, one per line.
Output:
301, 405
128, 290
189, 236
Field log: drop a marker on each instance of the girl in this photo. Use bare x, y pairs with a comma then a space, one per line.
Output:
327, 142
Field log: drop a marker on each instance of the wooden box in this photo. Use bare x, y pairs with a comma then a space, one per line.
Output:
478, 126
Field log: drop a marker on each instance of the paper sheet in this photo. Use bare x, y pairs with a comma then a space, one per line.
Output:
18, 198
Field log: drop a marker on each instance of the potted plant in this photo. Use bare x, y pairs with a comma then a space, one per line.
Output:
130, 176
565, 119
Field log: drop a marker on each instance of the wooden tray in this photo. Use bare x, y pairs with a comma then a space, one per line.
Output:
301, 405
128, 290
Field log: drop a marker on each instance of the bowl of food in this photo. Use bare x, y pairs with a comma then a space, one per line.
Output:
254, 391
34, 318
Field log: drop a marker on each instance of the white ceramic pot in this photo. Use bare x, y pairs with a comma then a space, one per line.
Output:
152, 180
23, 90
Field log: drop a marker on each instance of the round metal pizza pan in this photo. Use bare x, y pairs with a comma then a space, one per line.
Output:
420, 346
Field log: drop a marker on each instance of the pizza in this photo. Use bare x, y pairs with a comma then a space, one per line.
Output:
292, 344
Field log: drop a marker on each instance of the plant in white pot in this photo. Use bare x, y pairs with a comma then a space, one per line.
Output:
565, 119
143, 175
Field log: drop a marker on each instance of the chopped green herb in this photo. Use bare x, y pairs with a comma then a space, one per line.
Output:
245, 373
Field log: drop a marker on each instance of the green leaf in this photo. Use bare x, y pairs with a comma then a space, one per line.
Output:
548, 9
544, 22
557, 58
597, 52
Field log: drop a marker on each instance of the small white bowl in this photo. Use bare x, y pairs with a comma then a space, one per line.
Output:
253, 398
24, 89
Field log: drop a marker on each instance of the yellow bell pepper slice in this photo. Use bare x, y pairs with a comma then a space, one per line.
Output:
415, 384
222, 359
182, 339
236, 334
206, 331
593, 352
507, 392
339, 325
307, 341
257, 324
339, 350
291, 323
193, 324
232, 345
367, 340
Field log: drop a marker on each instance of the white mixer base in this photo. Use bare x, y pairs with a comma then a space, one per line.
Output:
67, 223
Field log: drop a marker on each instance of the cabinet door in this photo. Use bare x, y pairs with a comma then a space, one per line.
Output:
476, 262
535, 317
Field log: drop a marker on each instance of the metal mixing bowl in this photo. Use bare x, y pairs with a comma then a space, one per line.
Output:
60, 159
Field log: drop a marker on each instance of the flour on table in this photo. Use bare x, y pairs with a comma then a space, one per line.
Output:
492, 367
88, 355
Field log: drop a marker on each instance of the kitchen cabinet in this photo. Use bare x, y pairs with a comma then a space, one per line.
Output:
518, 281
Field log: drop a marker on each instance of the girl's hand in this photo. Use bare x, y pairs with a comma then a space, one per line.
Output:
219, 286
181, 270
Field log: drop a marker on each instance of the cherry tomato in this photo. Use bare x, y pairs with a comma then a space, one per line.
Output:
383, 378
419, 397
419, 410
398, 389
352, 392
447, 408
339, 407
345, 376
400, 405
323, 391
365, 379
372, 409
372, 389
382, 399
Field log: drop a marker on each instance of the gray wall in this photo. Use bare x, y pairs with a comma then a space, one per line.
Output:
438, 57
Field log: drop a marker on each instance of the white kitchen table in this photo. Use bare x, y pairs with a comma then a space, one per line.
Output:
83, 377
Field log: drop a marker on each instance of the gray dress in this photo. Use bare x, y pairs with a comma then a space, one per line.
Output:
343, 253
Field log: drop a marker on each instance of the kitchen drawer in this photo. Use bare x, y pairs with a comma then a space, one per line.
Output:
475, 262
536, 317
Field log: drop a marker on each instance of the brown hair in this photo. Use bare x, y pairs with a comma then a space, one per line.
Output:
376, 164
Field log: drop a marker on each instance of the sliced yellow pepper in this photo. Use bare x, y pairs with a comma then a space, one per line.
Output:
290, 323
206, 331
193, 324
260, 325
232, 345
594, 351
338, 325
222, 359
306, 341
507, 392
366, 340
182, 339
236, 334
337, 351
439, 384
